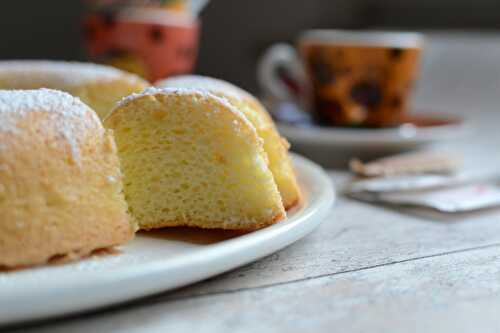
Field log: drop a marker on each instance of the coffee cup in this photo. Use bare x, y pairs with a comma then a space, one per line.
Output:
345, 78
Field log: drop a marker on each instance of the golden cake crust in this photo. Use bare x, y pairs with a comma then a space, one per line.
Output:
60, 181
218, 224
99, 86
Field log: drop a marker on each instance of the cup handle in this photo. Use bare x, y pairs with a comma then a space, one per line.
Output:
282, 76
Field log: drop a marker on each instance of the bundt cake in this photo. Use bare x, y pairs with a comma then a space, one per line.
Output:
61, 192
192, 159
275, 146
98, 86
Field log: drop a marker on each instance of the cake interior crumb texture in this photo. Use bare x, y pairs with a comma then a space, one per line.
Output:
191, 159
275, 146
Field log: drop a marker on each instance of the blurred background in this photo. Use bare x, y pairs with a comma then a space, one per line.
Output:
235, 33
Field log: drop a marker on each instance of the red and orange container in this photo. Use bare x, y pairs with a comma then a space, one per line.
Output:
154, 39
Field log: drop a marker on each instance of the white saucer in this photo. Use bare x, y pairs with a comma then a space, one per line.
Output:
324, 144
158, 261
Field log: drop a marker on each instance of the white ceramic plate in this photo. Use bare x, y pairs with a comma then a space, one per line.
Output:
157, 261
335, 146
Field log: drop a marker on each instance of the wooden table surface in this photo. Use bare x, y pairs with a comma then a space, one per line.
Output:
367, 268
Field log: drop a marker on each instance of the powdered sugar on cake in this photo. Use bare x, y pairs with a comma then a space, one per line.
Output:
202, 93
70, 119
206, 83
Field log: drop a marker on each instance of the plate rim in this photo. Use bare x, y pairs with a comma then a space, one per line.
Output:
149, 278
403, 135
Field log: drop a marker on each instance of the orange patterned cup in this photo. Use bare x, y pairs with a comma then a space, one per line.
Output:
153, 43
349, 78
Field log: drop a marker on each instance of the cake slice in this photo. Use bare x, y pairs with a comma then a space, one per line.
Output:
275, 146
99, 86
192, 159
61, 193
